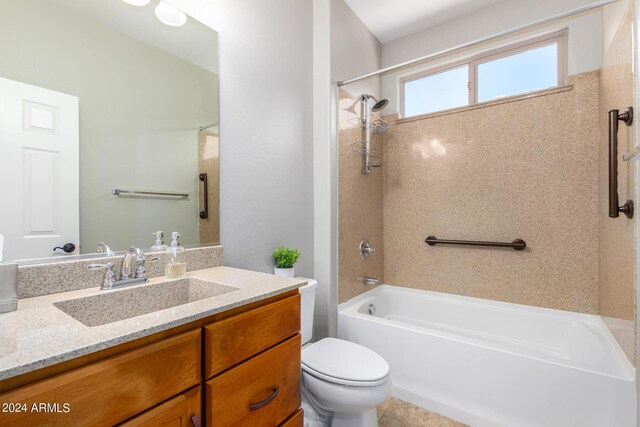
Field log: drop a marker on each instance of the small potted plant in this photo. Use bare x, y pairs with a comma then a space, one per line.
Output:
285, 259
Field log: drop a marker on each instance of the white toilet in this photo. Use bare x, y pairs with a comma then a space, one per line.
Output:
342, 382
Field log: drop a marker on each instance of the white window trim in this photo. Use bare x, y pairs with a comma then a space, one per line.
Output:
558, 37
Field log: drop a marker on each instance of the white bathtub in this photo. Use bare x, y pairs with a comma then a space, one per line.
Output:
488, 363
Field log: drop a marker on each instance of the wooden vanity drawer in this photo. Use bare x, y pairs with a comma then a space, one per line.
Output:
295, 420
235, 339
181, 411
246, 394
111, 390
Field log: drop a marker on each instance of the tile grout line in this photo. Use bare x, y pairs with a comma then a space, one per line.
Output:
386, 410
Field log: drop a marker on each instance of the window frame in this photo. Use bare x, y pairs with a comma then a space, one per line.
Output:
558, 37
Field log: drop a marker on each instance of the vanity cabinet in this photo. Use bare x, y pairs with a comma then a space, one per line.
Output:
241, 367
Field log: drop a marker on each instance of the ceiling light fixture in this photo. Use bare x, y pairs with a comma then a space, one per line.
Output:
138, 3
169, 15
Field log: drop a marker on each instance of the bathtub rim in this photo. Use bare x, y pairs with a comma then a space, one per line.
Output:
351, 306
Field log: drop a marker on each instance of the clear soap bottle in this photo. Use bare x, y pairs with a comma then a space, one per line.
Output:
159, 245
175, 266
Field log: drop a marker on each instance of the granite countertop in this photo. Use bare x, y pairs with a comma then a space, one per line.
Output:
39, 334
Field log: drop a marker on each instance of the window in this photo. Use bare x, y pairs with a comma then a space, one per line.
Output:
525, 67
439, 91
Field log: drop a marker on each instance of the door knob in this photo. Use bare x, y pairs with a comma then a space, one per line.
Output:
67, 247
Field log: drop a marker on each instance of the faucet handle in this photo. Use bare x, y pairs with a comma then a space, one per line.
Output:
365, 249
139, 253
141, 272
109, 275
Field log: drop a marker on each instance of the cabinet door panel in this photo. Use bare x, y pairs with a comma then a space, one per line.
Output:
263, 391
111, 390
177, 412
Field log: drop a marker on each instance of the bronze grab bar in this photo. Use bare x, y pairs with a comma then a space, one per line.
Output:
614, 207
517, 244
204, 214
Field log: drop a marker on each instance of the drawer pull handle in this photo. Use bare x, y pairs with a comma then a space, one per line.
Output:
195, 420
256, 406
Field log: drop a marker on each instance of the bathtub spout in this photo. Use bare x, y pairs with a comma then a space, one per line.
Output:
372, 281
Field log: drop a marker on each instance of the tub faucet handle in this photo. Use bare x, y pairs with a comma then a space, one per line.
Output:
365, 249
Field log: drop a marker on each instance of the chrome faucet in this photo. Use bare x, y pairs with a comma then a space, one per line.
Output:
129, 263
132, 271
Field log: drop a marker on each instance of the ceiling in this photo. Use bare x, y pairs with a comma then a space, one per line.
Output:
391, 20
193, 42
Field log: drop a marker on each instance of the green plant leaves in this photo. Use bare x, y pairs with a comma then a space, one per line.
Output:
285, 257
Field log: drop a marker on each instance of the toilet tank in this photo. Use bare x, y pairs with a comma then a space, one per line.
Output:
307, 303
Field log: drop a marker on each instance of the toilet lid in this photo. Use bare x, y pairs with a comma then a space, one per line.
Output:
344, 360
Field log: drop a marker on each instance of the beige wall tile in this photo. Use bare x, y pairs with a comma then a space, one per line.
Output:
617, 236
209, 163
523, 169
359, 205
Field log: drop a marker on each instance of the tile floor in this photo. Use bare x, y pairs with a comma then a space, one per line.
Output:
398, 413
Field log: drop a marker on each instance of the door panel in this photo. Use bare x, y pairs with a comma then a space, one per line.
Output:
39, 150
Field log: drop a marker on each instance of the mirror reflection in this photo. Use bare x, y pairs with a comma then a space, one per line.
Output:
109, 127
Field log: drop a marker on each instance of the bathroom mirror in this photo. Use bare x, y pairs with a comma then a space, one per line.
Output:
108, 126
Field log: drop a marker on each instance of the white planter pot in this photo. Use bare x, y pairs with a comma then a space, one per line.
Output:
286, 272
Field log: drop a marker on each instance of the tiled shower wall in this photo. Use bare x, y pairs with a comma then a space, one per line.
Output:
209, 163
511, 170
524, 169
359, 203
617, 236
520, 169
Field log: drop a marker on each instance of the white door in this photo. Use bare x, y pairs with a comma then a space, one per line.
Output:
39, 172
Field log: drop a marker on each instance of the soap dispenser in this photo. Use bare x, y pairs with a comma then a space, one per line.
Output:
175, 266
159, 245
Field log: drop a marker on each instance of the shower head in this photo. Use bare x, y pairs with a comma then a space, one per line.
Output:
380, 105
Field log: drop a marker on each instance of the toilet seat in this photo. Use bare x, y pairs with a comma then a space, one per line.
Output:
344, 363
342, 381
